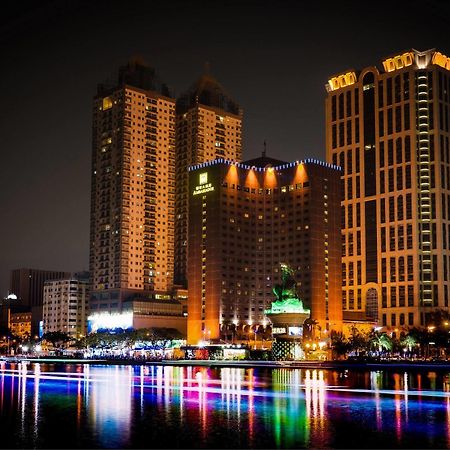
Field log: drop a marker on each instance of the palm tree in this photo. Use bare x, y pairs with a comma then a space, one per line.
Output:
358, 341
339, 344
409, 341
381, 341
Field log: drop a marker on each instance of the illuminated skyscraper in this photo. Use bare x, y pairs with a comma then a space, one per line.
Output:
388, 128
209, 126
245, 219
133, 188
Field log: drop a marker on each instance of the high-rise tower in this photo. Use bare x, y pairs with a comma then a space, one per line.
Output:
209, 126
388, 128
133, 188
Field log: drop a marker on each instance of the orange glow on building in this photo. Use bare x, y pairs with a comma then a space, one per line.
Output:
300, 174
232, 175
252, 180
239, 234
270, 179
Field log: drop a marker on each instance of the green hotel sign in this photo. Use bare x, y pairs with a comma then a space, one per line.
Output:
203, 185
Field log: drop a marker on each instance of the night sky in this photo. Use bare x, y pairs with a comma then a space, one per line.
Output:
272, 57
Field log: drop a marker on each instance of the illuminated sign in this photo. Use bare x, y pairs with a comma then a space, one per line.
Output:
341, 81
295, 331
441, 60
278, 330
203, 185
398, 62
110, 321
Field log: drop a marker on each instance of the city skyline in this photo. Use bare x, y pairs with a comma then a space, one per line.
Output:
274, 60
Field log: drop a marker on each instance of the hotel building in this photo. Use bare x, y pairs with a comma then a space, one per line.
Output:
209, 126
387, 127
133, 190
247, 218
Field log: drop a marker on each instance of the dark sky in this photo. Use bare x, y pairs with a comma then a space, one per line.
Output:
272, 57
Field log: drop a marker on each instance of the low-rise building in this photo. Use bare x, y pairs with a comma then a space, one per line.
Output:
65, 306
20, 324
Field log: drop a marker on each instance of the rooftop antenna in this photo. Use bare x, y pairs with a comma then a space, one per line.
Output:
264, 149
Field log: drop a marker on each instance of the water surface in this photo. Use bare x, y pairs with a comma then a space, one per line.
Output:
97, 406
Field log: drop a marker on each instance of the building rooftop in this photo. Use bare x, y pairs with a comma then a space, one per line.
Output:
262, 163
136, 73
209, 92
415, 58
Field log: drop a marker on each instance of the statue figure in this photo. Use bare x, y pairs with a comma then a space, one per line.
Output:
286, 297
287, 289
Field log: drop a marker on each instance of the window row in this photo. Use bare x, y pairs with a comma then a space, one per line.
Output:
400, 269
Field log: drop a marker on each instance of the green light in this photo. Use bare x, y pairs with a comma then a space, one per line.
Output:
288, 305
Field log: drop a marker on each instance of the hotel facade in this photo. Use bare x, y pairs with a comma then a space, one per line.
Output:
387, 127
245, 219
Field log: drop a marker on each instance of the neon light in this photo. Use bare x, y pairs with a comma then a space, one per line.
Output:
264, 169
203, 189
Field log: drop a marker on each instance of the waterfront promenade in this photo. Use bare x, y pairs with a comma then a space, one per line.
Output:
336, 365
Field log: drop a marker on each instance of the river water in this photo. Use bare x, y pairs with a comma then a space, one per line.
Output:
99, 406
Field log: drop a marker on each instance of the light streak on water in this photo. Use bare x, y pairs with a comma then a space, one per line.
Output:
294, 406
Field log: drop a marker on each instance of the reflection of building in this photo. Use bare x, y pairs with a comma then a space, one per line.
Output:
133, 190
209, 126
109, 400
20, 324
28, 285
65, 305
246, 218
388, 128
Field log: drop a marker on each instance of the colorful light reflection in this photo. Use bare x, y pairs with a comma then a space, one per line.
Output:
245, 407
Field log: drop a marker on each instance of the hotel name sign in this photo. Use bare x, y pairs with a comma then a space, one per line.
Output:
203, 185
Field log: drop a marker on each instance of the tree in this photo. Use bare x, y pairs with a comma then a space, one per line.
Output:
56, 338
339, 344
358, 341
381, 341
409, 341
